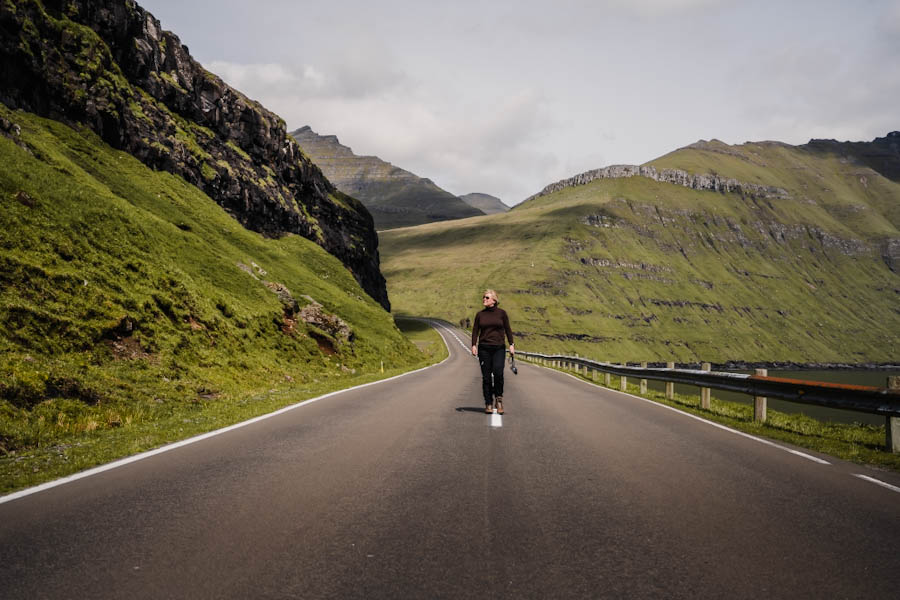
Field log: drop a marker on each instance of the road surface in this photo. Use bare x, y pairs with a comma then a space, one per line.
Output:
405, 489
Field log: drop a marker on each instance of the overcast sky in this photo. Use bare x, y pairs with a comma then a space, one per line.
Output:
505, 97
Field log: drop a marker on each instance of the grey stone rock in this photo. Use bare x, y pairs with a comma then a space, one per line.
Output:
706, 181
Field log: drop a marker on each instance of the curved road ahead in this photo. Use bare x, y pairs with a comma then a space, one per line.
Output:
404, 489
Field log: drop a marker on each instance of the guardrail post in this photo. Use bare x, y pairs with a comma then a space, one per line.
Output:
623, 384
892, 424
607, 380
704, 391
759, 402
670, 385
643, 381
594, 374
576, 365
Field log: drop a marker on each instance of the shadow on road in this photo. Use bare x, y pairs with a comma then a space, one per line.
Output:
478, 409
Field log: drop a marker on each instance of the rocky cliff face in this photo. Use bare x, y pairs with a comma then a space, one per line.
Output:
703, 181
395, 197
109, 65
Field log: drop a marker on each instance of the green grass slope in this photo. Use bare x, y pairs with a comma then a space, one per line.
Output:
129, 299
634, 269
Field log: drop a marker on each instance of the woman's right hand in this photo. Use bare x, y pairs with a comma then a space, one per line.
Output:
474, 350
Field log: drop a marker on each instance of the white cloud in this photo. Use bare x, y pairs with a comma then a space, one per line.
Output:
488, 146
891, 20
824, 87
661, 8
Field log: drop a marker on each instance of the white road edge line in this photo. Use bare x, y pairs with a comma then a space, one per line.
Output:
708, 422
893, 488
198, 438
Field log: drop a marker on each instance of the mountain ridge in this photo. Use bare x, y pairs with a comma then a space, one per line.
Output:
486, 203
395, 197
763, 252
881, 154
109, 65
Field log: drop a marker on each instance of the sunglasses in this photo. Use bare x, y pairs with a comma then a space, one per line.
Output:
486, 298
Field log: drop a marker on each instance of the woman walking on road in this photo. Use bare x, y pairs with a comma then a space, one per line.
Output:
491, 324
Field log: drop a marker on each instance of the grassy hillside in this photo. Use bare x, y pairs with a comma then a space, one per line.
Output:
130, 299
634, 269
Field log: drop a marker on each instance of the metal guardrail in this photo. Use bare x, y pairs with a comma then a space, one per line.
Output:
867, 399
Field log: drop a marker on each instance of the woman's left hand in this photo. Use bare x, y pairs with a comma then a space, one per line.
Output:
512, 349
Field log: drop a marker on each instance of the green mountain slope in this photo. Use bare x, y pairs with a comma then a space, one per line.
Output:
394, 196
129, 296
108, 65
797, 262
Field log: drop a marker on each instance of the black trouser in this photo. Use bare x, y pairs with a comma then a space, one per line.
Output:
491, 359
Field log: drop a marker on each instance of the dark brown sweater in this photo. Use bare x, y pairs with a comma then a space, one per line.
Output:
489, 327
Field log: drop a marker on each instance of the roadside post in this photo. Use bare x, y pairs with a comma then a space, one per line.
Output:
759, 402
670, 385
643, 381
705, 391
892, 424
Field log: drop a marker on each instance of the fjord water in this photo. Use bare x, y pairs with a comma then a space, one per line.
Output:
873, 377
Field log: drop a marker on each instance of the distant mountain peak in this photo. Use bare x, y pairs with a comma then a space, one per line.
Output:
394, 196
881, 154
486, 203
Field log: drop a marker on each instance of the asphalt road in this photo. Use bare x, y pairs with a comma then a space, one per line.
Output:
404, 489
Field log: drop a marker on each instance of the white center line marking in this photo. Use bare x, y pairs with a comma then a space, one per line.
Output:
496, 419
893, 488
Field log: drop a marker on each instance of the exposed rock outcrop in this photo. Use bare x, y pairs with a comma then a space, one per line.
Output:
109, 65
890, 253
705, 181
313, 314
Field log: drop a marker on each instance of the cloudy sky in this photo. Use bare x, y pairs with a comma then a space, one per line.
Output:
504, 97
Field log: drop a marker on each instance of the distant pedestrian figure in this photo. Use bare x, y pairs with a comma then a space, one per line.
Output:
488, 344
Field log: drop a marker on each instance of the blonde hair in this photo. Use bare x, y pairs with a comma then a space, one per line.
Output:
493, 295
